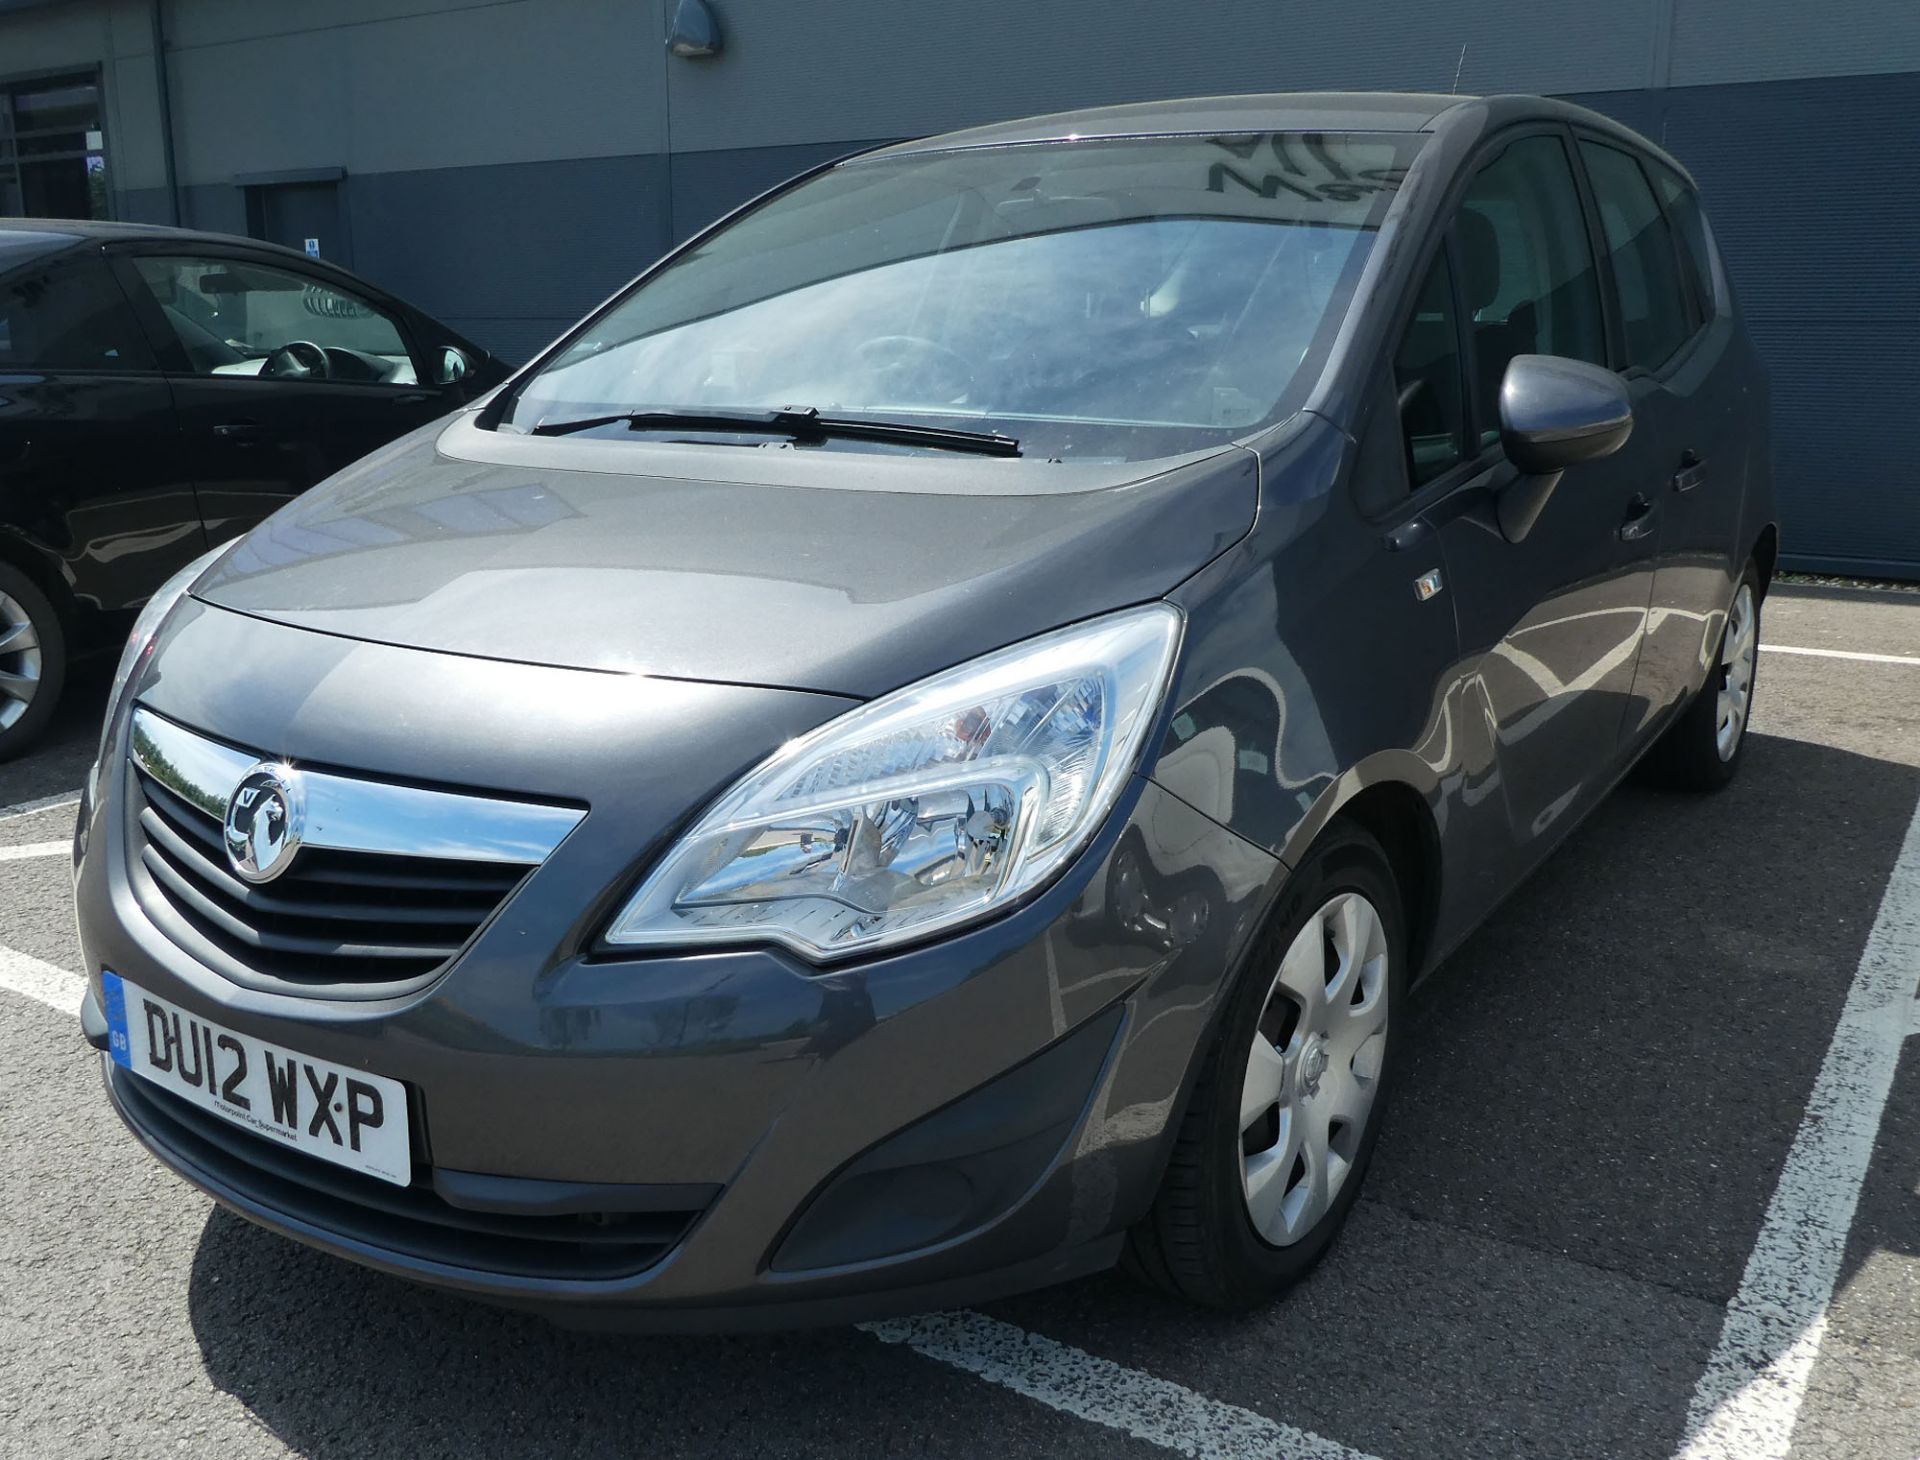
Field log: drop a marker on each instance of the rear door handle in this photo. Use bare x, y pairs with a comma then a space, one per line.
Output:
1693, 471
1640, 519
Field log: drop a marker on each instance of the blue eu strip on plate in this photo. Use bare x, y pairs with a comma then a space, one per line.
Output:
113, 996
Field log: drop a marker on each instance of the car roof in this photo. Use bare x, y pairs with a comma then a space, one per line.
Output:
1301, 111
98, 230
1280, 111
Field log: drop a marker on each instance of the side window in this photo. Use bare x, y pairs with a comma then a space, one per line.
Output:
1527, 267
1683, 212
1654, 308
1427, 380
70, 316
236, 317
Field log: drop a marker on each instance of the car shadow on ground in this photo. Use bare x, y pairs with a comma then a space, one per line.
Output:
1602, 1085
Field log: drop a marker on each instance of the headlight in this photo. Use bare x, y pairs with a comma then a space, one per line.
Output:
140, 642
930, 807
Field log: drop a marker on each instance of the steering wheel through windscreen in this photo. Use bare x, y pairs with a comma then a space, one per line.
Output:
297, 360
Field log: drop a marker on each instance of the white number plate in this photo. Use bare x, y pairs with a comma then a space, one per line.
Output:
346, 1116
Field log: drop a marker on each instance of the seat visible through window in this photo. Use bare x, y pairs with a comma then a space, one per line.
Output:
1526, 269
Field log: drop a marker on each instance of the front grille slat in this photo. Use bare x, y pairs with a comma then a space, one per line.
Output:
231, 889
256, 938
351, 923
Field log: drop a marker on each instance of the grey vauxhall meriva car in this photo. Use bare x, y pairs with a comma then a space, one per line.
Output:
918, 751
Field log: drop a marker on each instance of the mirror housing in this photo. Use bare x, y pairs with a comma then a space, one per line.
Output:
1555, 413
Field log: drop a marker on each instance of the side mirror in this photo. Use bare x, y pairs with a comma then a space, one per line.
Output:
451, 366
1555, 413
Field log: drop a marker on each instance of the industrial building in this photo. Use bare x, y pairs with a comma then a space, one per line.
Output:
507, 163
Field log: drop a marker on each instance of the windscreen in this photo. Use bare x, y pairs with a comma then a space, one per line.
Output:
1106, 299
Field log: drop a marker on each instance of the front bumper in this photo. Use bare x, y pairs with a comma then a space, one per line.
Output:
733, 1138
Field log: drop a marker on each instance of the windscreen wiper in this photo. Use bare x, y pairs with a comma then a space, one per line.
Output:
806, 425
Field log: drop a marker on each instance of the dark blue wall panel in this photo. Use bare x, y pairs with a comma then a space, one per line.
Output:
1814, 193
510, 255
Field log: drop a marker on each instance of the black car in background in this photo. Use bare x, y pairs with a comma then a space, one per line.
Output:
162, 391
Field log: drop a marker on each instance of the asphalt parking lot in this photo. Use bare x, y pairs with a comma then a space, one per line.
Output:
1655, 1156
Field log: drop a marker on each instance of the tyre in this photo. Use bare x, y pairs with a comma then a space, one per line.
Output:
1702, 749
1283, 1118
33, 661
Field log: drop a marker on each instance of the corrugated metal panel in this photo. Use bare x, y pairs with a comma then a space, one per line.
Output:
876, 68
1718, 41
1813, 190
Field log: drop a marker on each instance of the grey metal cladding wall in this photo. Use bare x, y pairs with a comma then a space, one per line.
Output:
1815, 198
797, 72
1770, 40
510, 255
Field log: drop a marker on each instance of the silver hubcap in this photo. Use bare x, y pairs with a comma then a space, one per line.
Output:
1314, 1069
1738, 646
19, 661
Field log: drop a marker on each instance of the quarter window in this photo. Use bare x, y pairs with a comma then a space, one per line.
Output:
1683, 212
1526, 268
69, 317
236, 317
1646, 267
1426, 378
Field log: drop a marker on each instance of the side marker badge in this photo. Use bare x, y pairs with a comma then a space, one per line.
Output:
1427, 585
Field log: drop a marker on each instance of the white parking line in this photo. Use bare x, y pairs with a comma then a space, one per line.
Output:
22, 973
1841, 654
45, 803
29, 850
1747, 1401
1079, 1383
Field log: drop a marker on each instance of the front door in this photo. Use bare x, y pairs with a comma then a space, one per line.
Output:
280, 378
1551, 626
92, 468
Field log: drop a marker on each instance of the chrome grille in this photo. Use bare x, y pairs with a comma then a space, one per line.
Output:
354, 913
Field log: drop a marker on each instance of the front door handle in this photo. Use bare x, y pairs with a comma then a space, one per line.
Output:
1693, 471
239, 432
1639, 521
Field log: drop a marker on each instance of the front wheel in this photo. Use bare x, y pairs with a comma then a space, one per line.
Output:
1702, 750
1283, 1118
33, 661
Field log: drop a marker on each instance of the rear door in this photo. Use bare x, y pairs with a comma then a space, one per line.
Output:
92, 469
1553, 624
1677, 332
280, 376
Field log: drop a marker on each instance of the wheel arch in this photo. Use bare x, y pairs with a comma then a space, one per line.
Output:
43, 569
1392, 796
1397, 816
1766, 555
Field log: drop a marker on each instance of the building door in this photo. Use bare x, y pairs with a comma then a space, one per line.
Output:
53, 161
303, 216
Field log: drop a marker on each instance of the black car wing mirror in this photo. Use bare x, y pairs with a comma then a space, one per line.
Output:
451, 365
1555, 413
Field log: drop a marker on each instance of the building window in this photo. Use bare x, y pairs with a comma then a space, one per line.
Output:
53, 158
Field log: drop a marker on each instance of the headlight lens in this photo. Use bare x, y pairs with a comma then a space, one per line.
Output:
145, 629
929, 807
